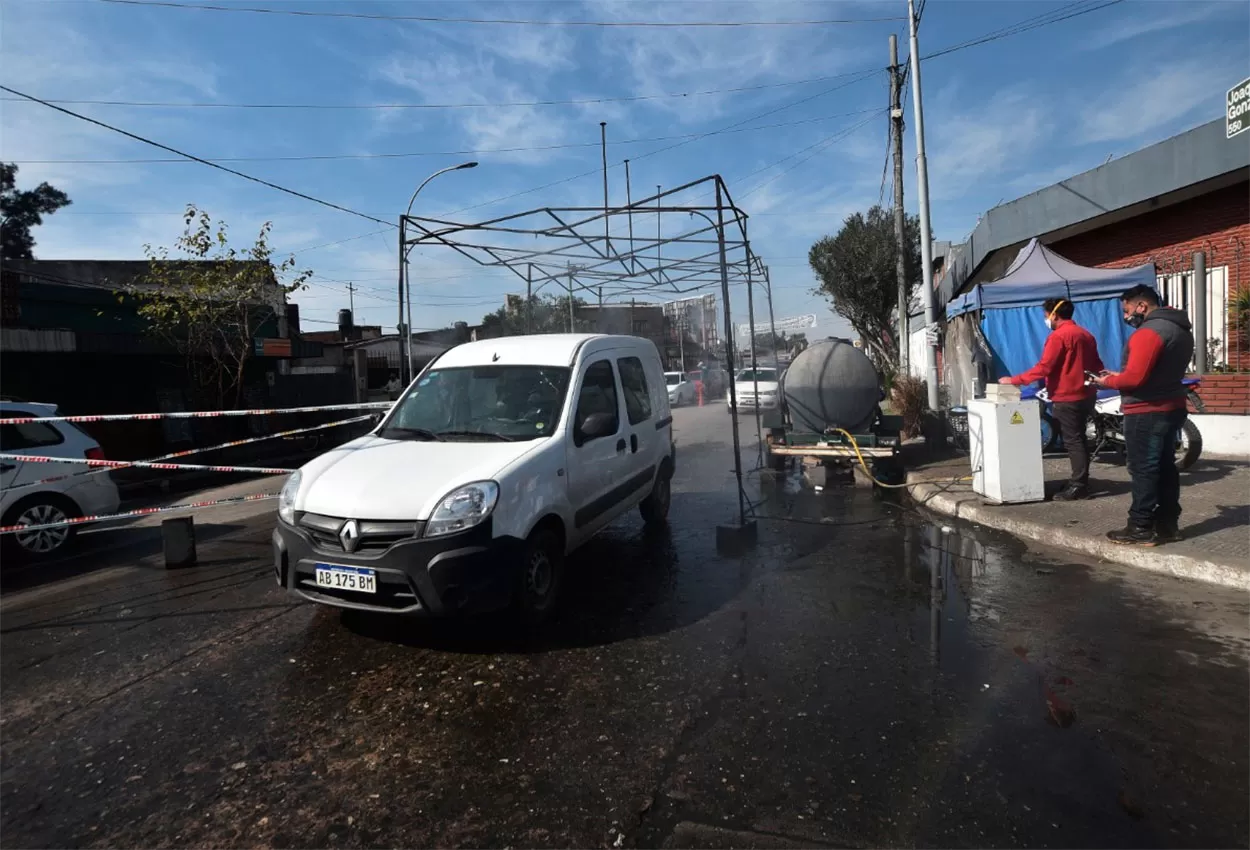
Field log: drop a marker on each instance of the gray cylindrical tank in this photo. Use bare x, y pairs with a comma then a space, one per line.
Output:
831, 384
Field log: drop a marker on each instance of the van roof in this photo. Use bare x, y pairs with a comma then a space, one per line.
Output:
533, 350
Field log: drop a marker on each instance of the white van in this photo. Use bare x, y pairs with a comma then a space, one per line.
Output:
503, 456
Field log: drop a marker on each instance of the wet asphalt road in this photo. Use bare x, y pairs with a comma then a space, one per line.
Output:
861, 679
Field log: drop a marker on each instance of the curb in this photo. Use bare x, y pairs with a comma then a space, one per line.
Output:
967, 506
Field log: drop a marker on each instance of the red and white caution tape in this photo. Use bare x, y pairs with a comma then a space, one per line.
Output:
146, 464
195, 414
13, 529
186, 452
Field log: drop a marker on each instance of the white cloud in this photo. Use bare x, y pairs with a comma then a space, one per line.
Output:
1132, 23
1151, 99
984, 142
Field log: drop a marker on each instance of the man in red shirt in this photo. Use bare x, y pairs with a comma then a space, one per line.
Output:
1069, 353
1152, 399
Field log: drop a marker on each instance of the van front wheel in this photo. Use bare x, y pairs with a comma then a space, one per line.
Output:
541, 574
654, 508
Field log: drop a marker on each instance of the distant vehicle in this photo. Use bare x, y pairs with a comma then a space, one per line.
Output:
85, 494
754, 388
681, 388
502, 457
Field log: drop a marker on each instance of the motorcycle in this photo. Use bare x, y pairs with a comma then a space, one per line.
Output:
1105, 429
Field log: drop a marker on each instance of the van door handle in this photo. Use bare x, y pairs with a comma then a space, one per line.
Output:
633, 443
620, 445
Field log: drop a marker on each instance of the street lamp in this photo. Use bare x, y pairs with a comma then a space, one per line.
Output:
403, 264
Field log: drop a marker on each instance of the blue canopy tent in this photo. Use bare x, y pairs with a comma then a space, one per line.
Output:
1010, 307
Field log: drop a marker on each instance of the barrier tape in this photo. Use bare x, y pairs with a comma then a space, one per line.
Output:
194, 414
146, 464
186, 452
13, 529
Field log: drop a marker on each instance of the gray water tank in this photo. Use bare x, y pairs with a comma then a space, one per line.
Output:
831, 384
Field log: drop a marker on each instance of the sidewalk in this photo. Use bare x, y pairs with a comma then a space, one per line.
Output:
1215, 497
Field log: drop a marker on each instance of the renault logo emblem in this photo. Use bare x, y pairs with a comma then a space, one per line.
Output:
349, 535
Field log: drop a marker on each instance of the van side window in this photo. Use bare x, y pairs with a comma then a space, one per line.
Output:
634, 385
597, 395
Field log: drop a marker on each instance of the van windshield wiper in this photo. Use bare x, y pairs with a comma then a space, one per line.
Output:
488, 434
408, 434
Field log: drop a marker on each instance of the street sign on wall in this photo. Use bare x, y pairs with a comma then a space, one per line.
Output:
786, 325
1237, 111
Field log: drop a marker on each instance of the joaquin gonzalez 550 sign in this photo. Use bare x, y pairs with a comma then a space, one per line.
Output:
1237, 113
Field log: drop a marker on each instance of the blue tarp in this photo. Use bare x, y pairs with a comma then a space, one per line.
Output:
1011, 317
1039, 273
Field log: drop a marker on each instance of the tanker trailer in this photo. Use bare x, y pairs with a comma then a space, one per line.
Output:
830, 406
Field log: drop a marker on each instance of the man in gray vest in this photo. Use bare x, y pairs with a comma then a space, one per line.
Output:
1153, 402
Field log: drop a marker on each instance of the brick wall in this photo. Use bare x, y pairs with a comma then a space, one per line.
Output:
1217, 223
1226, 393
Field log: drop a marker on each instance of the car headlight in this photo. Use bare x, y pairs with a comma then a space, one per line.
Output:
286, 498
463, 508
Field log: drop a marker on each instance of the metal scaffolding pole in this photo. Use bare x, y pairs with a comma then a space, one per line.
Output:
729, 345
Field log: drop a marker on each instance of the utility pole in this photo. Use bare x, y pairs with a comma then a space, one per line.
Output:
351, 300
629, 204
571, 324
926, 234
896, 132
529, 298
607, 220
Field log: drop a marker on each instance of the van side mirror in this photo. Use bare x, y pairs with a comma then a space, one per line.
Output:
597, 425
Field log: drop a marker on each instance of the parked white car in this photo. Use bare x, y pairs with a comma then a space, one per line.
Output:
502, 457
681, 388
760, 387
80, 493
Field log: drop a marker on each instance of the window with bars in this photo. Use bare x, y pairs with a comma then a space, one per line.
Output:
1176, 289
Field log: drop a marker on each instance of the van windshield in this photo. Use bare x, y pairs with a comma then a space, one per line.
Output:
480, 402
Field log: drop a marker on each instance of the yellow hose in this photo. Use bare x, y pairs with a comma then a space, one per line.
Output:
873, 478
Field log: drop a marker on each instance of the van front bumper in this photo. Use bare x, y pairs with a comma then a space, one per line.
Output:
468, 572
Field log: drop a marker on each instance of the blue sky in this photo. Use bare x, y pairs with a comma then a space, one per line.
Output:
1003, 119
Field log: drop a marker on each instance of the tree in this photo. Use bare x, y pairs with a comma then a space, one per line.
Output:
22, 210
550, 315
856, 270
210, 301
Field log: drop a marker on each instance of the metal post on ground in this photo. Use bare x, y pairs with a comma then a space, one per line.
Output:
572, 324
772, 323
900, 238
926, 234
755, 372
744, 534
1200, 313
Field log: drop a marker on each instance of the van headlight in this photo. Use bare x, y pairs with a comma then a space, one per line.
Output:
286, 498
463, 508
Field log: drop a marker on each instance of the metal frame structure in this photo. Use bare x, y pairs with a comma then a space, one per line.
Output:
700, 244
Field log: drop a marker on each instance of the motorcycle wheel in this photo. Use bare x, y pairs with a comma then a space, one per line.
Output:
1050, 434
1195, 403
1188, 445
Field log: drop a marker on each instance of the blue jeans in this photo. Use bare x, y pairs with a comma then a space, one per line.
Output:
1150, 440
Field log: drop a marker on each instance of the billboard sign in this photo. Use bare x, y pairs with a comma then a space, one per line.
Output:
786, 325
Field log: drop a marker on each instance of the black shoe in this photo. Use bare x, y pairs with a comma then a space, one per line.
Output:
1072, 493
1131, 535
1166, 531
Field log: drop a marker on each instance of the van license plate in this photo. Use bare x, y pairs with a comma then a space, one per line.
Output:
339, 577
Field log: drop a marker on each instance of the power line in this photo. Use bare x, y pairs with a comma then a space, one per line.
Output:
204, 7
472, 152
173, 104
194, 158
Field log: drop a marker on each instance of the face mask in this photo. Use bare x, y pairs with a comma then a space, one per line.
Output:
1049, 325
1135, 320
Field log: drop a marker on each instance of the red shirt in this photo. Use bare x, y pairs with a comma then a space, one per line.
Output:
1069, 353
1144, 348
